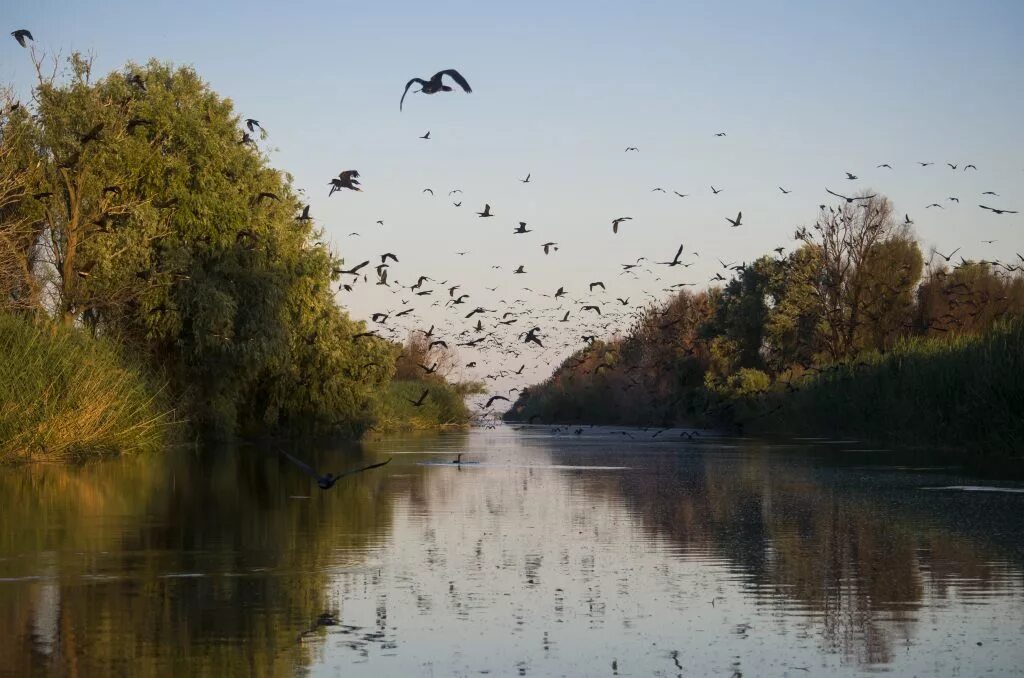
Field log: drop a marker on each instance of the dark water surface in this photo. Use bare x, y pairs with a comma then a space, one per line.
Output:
590, 555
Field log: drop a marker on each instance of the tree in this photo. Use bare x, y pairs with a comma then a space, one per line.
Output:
856, 242
160, 225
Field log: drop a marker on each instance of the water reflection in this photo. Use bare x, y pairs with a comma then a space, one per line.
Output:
555, 555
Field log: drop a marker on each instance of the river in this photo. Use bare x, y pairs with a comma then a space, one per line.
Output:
601, 553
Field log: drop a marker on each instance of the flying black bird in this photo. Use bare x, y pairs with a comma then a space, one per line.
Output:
326, 482
486, 212
548, 245
716, 191
850, 176
675, 261
532, 336
849, 200
526, 180
426, 136
252, 124
631, 148
352, 271
784, 191
886, 165
423, 396
522, 228
560, 293
592, 308
993, 209
596, 284
967, 167
681, 195
616, 222
947, 258
493, 398
348, 179
720, 134
736, 222
20, 36
305, 214
434, 85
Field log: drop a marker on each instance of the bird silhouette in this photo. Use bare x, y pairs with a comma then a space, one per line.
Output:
348, 179
327, 481
849, 200
997, 211
526, 180
737, 221
435, 84
616, 222
716, 191
20, 36
423, 396
486, 212
522, 228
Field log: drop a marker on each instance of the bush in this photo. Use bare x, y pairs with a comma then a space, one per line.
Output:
64, 394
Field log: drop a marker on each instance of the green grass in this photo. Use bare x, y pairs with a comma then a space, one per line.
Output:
65, 395
444, 406
963, 392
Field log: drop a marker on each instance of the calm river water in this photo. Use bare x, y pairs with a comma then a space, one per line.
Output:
597, 554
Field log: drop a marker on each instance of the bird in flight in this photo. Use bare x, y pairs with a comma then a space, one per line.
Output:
850, 176
522, 228
849, 200
993, 209
631, 148
886, 165
526, 180
426, 136
947, 258
327, 481
492, 399
616, 222
548, 245
252, 124
435, 84
675, 261
486, 212
348, 179
423, 396
20, 36
784, 191
716, 191
735, 222
720, 134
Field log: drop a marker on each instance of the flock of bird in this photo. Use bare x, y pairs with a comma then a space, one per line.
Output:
531, 326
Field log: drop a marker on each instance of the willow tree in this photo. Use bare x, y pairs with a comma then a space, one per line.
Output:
161, 224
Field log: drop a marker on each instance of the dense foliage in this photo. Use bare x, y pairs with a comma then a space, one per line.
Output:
134, 207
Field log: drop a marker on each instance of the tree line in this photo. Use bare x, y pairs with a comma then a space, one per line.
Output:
854, 290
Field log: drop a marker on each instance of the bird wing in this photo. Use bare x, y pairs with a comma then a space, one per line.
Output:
302, 465
354, 471
835, 194
457, 77
407, 86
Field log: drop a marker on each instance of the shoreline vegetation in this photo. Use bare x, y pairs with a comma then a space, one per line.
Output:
159, 278
848, 335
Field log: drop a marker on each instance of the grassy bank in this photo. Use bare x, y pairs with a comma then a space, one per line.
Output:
444, 406
965, 392
64, 394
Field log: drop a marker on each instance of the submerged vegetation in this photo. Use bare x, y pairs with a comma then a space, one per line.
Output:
134, 211
849, 334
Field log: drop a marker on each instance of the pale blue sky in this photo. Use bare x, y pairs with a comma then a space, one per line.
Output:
805, 90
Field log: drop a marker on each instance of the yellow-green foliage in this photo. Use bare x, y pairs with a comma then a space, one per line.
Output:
444, 406
64, 394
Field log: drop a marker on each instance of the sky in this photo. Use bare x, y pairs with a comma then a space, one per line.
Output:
805, 91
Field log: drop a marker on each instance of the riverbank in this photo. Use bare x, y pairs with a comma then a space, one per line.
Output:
961, 396
64, 395
963, 393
